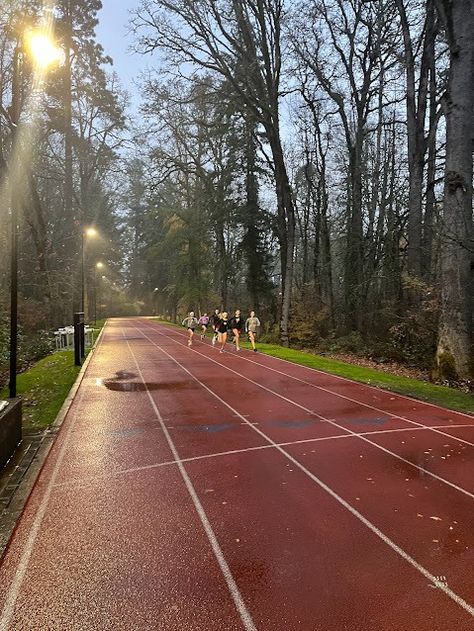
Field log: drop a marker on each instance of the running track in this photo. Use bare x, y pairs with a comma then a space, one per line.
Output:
195, 490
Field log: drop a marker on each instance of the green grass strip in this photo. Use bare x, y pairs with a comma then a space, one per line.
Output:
422, 390
44, 388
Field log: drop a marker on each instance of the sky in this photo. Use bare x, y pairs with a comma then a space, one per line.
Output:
112, 34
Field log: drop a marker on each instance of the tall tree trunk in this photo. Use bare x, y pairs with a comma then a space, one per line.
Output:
287, 228
455, 352
354, 252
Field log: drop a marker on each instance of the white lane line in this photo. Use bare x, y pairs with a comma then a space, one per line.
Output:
22, 567
442, 587
86, 482
334, 423
331, 375
361, 403
342, 396
245, 616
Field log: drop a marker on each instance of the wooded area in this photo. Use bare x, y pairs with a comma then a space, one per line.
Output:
309, 160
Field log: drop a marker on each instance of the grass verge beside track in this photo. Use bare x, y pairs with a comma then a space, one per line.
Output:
422, 390
44, 387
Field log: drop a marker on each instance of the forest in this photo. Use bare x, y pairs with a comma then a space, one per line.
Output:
310, 160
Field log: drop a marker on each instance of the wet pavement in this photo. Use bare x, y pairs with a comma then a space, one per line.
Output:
192, 490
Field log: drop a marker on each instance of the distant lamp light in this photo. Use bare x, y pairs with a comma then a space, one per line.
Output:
99, 265
91, 232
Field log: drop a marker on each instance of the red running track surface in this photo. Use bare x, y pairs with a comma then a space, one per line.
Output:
190, 489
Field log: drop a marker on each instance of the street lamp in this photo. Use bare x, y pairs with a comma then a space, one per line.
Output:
87, 232
40, 47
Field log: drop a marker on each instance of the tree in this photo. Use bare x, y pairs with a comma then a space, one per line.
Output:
218, 36
455, 350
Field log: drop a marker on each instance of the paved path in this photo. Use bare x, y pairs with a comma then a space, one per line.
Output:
195, 490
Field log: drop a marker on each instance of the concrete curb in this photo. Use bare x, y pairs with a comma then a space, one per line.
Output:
10, 515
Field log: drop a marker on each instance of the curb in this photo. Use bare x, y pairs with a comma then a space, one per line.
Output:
11, 514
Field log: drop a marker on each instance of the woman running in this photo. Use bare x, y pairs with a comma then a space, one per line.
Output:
190, 323
222, 328
204, 322
237, 325
251, 325
213, 320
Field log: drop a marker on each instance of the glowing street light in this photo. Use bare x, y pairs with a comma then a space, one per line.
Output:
42, 49
43, 52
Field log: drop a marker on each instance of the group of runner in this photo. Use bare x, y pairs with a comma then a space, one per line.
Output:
222, 326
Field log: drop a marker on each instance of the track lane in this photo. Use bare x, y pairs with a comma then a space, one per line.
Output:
367, 396
246, 396
305, 400
111, 555
302, 560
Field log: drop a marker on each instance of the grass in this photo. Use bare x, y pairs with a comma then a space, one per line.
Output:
44, 387
422, 390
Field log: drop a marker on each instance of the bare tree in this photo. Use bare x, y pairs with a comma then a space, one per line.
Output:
240, 40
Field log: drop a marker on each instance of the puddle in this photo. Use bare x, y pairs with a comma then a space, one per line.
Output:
130, 386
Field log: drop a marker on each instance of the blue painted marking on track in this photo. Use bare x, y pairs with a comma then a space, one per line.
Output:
295, 424
365, 421
210, 429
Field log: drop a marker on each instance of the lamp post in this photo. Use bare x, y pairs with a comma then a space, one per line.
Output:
86, 232
43, 51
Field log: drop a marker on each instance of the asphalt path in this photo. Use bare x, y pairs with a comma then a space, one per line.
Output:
194, 490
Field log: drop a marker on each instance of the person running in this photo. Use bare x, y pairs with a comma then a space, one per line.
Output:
251, 326
204, 322
222, 328
213, 321
190, 323
237, 325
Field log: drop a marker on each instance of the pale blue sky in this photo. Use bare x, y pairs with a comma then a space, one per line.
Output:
112, 34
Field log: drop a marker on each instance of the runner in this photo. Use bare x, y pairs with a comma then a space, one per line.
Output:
222, 328
204, 322
190, 323
251, 325
237, 325
213, 320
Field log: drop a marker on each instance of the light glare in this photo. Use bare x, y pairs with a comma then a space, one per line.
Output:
43, 49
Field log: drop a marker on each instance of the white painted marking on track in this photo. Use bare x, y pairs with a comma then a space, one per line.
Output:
349, 431
23, 563
444, 588
240, 605
85, 482
342, 396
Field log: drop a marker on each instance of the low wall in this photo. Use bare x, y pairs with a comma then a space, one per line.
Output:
10, 430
